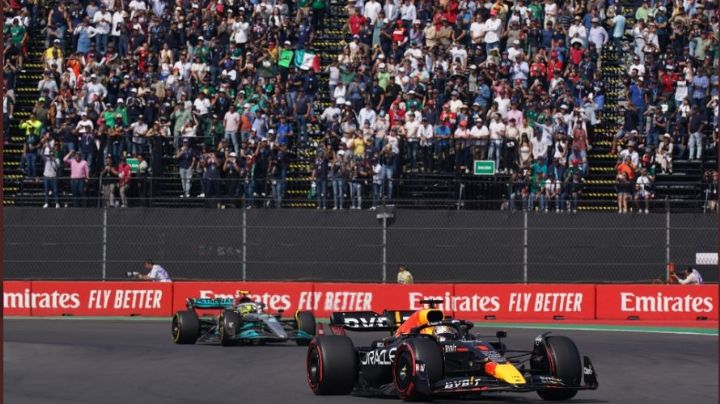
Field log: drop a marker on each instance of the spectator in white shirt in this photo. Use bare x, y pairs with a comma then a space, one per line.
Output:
231, 122
157, 273
692, 277
408, 13
372, 10
578, 28
391, 10
598, 35
493, 31
102, 20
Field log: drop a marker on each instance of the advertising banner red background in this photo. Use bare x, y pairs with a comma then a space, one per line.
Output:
501, 302
16, 298
276, 295
329, 297
657, 302
102, 298
525, 302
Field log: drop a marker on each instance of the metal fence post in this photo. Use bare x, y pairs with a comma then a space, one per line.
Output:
667, 238
244, 245
525, 247
104, 245
384, 244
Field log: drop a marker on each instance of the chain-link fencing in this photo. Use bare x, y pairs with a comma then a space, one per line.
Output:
297, 244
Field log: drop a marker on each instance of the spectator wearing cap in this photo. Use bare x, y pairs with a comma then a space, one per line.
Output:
598, 35
54, 56
643, 190
48, 85
664, 153
637, 100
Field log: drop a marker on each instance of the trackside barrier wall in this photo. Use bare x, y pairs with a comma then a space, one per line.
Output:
501, 302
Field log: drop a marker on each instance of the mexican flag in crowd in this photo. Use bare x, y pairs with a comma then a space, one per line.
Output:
300, 58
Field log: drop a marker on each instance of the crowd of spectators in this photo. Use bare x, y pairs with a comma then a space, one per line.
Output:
419, 86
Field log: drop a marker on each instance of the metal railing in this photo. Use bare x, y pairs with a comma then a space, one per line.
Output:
429, 191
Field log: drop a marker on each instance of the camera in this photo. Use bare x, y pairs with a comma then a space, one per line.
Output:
132, 274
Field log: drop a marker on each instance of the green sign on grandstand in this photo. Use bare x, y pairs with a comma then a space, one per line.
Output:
133, 163
484, 167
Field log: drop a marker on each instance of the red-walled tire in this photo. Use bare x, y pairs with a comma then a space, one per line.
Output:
562, 360
404, 370
331, 365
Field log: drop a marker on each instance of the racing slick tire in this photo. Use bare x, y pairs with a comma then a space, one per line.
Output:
228, 324
306, 323
562, 360
185, 327
404, 370
331, 365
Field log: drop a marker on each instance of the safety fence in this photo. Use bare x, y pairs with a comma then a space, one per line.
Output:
502, 302
355, 246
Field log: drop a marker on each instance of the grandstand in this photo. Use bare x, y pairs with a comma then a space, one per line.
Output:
450, 188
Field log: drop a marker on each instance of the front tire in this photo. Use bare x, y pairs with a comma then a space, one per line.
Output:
228, 324
404, 370
185, 327
305, 323
331, 365
562, 360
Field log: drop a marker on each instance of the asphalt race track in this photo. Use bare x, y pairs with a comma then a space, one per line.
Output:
88, 361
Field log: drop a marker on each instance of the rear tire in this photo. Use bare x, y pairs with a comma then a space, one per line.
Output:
228, 324
185, 327
331, 365
406, 382
562, 360
305, 323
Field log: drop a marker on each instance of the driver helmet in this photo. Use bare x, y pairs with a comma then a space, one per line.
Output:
441, 332
248, 307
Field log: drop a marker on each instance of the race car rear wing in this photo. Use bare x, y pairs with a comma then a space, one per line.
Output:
218, 303
389, 320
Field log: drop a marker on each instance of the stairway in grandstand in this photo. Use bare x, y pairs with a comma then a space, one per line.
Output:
600, 182
328, 42
26, 94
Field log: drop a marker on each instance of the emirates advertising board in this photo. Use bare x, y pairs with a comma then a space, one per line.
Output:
500, 302
657, 302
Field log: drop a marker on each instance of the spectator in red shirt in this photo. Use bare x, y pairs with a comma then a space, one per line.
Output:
355, 22
124, 176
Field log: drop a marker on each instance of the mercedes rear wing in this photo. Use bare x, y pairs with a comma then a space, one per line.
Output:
218, 303
389, 320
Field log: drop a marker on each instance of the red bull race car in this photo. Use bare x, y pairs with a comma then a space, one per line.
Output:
429, 355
